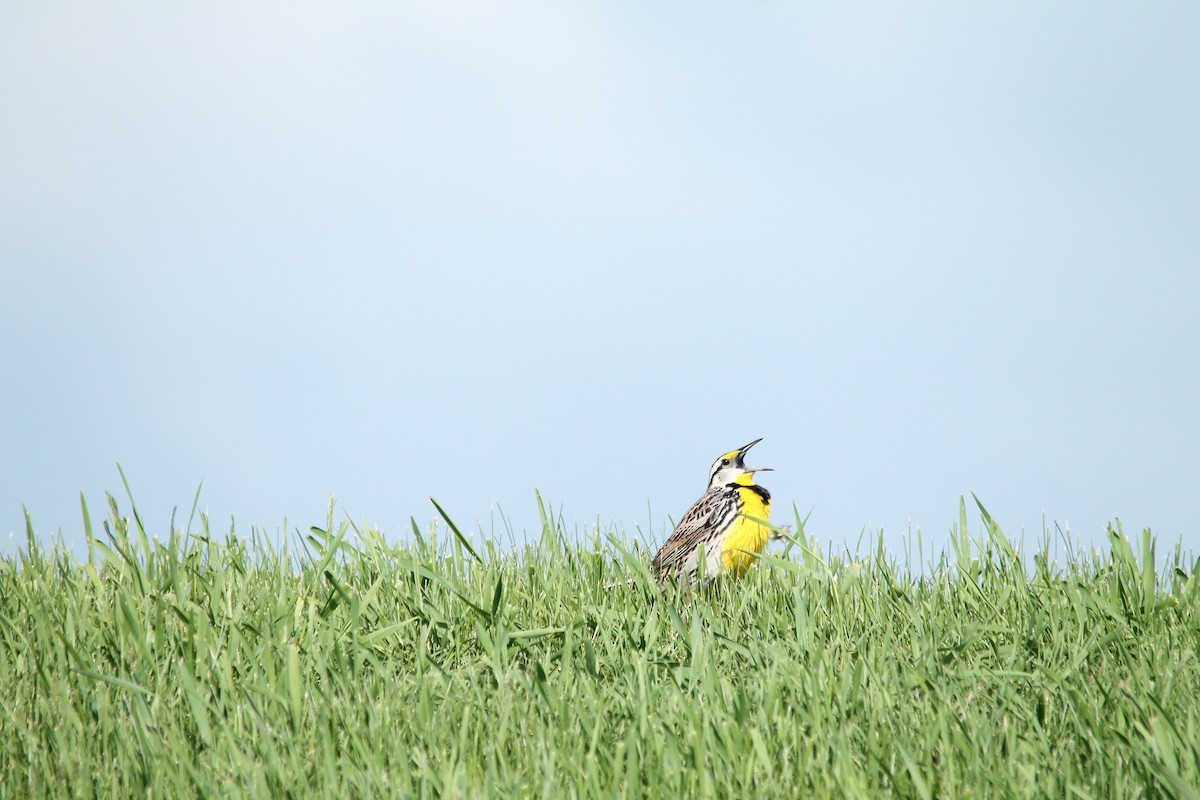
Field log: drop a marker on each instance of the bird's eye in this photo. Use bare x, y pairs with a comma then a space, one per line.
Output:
725, 462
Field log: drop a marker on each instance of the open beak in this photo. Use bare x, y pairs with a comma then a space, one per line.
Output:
742, 454
742, 450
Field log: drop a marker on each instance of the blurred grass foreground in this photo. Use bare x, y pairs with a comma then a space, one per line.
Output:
339, 665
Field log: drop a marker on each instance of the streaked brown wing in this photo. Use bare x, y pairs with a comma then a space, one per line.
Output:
695, 526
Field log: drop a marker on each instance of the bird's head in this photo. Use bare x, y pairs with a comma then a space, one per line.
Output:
731, 468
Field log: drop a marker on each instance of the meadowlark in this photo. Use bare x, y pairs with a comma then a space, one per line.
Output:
718, 527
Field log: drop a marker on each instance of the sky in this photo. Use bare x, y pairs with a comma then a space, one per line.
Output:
468, 250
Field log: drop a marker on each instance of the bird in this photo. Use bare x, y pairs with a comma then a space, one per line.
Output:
718, 527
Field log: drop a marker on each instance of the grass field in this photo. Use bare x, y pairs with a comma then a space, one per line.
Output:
343, 666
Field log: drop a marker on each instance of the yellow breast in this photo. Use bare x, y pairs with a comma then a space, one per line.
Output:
747, 536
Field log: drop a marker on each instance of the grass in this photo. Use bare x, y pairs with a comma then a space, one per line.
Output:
339, 665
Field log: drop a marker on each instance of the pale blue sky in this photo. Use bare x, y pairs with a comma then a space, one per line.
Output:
468, 250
